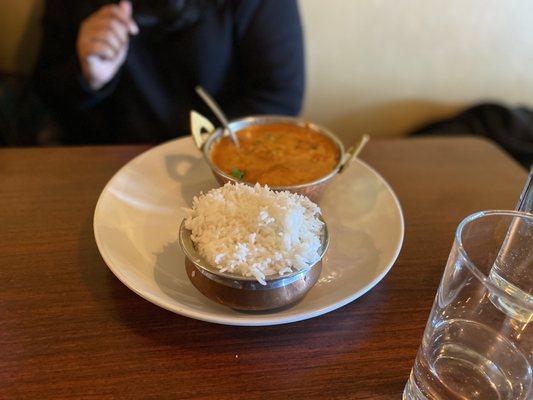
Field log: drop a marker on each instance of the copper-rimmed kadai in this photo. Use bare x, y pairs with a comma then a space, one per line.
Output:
205, 136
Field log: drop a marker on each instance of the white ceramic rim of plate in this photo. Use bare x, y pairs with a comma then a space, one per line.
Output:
265, 319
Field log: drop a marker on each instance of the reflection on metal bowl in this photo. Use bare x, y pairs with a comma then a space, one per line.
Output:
246, 293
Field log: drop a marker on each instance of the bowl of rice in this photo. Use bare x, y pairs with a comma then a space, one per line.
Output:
252, 248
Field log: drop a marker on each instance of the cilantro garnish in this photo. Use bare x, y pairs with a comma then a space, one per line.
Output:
237, 173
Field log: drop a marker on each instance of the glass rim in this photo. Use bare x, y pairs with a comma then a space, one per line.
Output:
482, 277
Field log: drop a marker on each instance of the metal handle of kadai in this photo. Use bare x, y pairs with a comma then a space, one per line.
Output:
201, 129
353, 152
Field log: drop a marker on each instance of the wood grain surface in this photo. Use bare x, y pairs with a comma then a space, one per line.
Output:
69, 329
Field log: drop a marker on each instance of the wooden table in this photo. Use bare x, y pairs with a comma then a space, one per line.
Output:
70, 329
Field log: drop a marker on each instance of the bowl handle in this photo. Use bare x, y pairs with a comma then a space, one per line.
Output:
353, 151
201, 128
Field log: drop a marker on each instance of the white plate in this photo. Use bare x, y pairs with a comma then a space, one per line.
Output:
139, 211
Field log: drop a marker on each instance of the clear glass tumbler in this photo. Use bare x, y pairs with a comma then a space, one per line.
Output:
478, 342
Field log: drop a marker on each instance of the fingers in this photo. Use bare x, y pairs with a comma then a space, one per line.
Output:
114, 28
121, 13
109, 40
110, 31
95, 38
126, 8
98, 48
107, 31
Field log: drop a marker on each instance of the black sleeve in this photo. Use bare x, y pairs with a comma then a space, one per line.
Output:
270, 57
57, 77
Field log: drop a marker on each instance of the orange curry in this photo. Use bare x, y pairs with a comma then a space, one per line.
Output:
276, 155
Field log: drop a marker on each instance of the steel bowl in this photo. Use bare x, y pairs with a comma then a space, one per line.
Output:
246, 293
205, 135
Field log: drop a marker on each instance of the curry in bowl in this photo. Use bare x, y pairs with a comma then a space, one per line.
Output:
282, 152
276, 154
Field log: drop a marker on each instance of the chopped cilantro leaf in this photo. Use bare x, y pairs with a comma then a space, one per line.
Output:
237, 173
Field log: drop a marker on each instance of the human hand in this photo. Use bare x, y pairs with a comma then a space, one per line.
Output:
103, 41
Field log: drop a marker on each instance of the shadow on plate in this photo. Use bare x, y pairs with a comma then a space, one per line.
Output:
193, 175
170, 276
351, 253
172, 279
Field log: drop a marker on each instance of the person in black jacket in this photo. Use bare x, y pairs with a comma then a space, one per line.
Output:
126, 72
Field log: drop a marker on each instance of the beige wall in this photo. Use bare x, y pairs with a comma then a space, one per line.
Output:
19, 34
379, 66
384, 66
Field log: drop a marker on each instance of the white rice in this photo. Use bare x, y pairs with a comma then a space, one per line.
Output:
254, 231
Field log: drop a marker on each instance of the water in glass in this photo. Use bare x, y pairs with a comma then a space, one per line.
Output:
478, 342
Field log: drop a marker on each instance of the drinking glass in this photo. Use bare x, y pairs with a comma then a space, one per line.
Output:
478, 342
